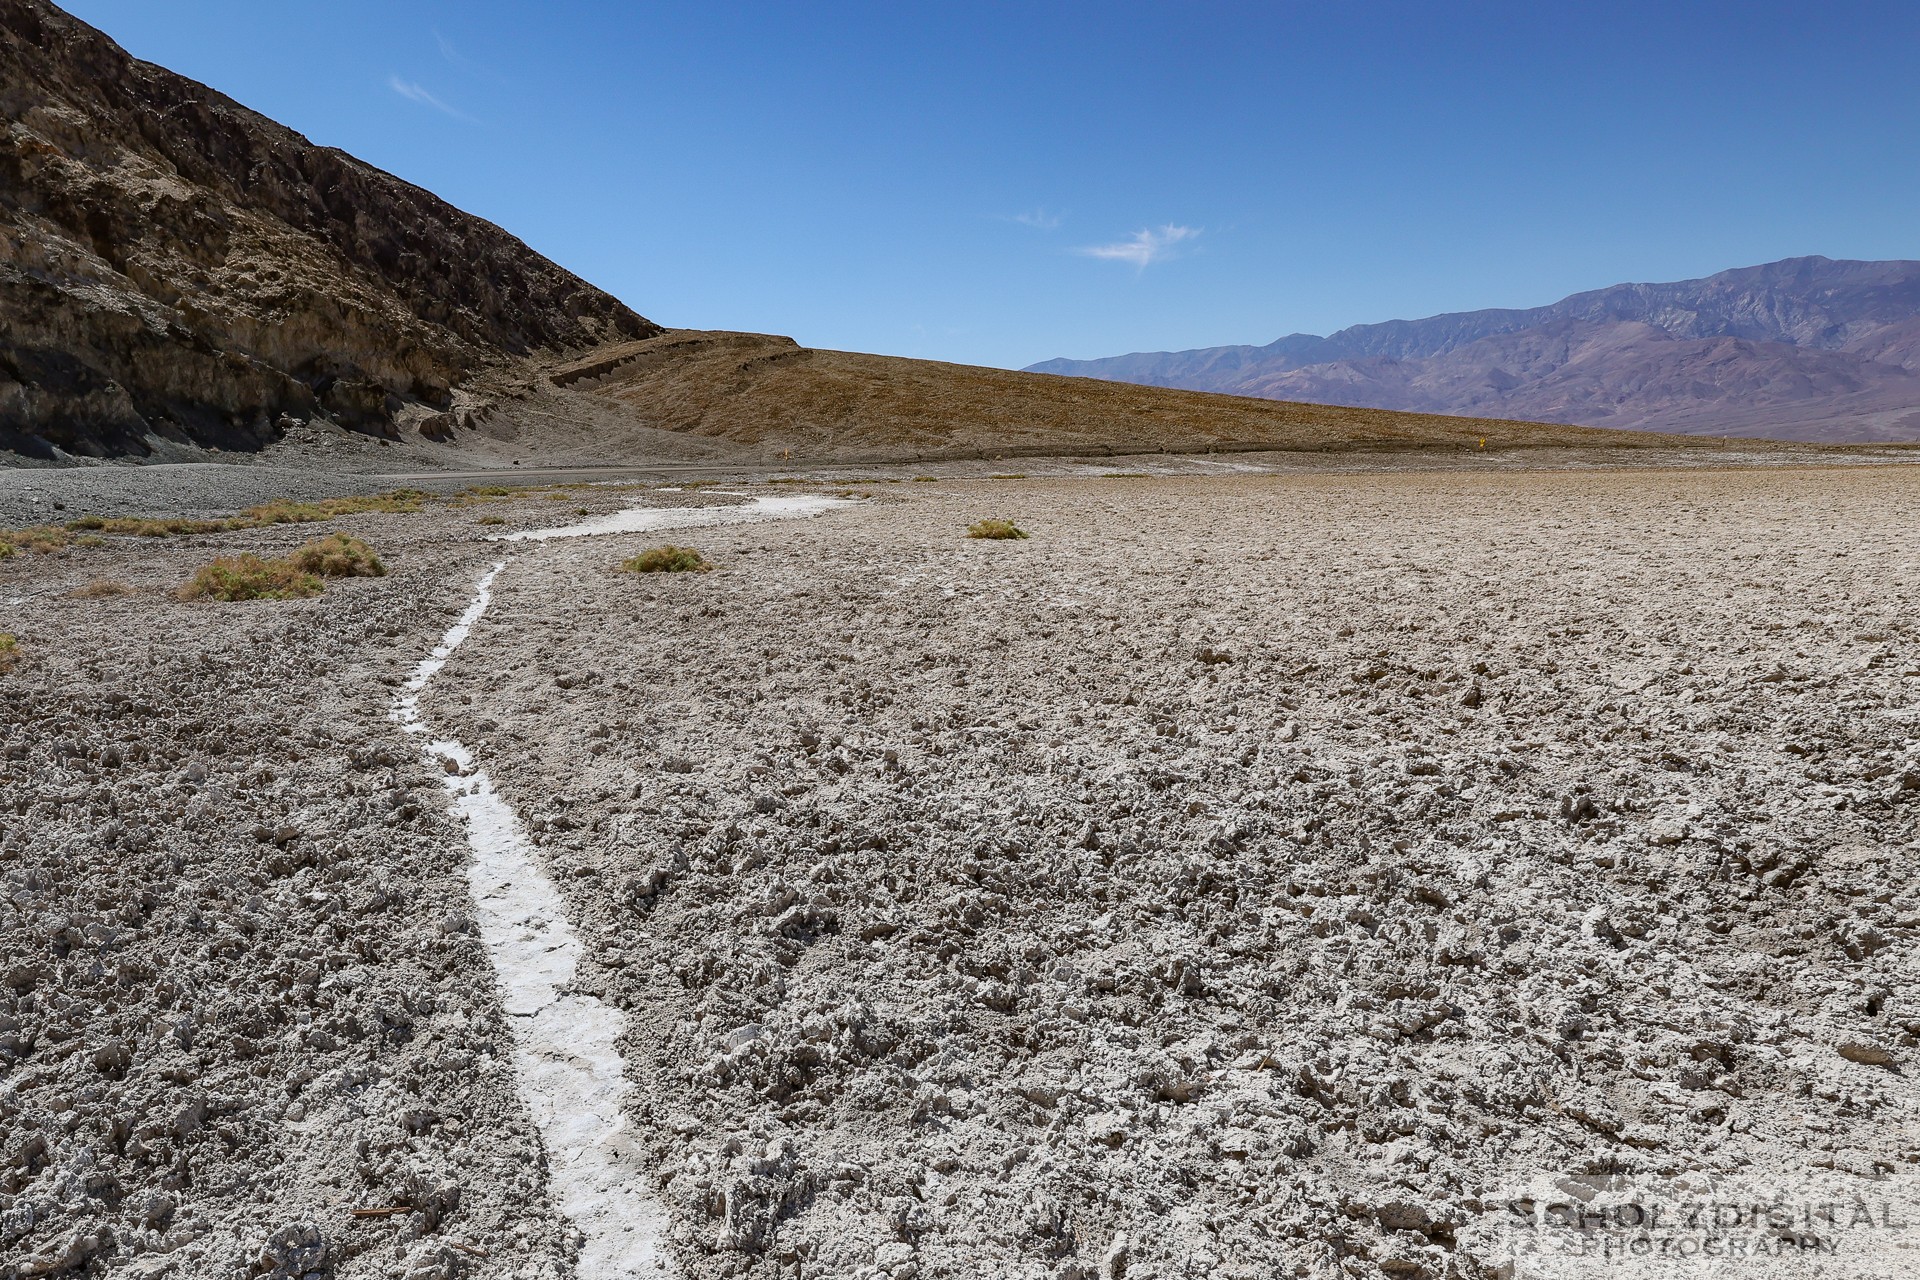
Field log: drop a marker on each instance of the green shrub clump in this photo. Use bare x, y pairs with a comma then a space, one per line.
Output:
338, 555
998, 529
42, 538
668, 559
9, 651
248, 577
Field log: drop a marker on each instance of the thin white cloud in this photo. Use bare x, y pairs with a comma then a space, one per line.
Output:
1041, 219
1144, 247
416, 93
453, 56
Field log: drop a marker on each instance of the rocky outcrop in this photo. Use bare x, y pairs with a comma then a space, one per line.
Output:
175, 265
1806, 349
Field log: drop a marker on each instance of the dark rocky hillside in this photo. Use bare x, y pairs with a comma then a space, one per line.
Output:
175, 266
1805, 349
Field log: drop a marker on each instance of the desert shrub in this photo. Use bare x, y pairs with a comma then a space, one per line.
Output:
338, 555
926, 479
40, 537
7, 550
668, 559
997, 529
9, 651
488, 490
491, 520
142, 527
248, 577
1010, 475
100, 589
281, 511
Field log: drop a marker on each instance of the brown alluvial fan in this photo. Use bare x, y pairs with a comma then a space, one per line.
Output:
768, 398
175, 265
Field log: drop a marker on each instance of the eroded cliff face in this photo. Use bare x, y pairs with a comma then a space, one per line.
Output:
175, 265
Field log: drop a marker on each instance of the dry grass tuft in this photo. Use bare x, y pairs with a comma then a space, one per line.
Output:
140, 527
9, 651
995, 529
668, 559
338, 555
100, 589
491, 520
248, 577
282, 511
41, 538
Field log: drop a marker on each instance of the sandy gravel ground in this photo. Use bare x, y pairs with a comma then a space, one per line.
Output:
301, 468
1244, 876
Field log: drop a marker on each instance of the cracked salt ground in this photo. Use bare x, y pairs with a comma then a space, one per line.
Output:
566, 1060
1287, 963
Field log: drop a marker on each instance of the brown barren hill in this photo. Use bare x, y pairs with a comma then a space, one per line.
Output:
175, 265
779, 399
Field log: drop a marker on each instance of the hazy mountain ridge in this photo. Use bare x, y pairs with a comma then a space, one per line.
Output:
1807, 348
175, 265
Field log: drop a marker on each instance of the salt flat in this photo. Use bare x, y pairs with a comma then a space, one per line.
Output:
1244, 875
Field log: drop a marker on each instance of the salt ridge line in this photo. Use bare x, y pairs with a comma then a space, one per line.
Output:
567, 1063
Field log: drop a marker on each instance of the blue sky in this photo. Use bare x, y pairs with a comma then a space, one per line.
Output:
1004, 183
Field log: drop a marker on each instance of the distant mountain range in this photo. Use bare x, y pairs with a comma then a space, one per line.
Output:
1804, 349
